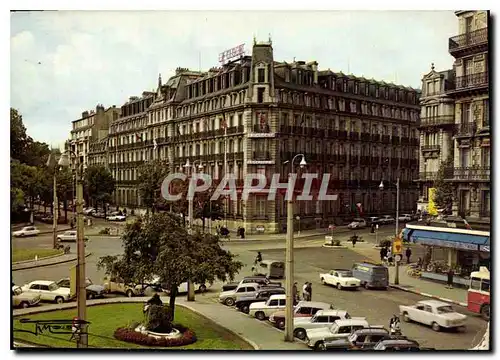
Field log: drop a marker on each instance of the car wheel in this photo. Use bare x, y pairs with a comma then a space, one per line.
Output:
280, 324
320, 345
260, 315
24, 305
90, 296
485, 312
435, 326
339, 286
59, 300
229, 301
367, 286
406, 318
245, 309
300, 333
203, 288
130, 293
323, 281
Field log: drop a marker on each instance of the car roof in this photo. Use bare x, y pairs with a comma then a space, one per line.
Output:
331, 312
277, 296
250, 284
358, 219
317, 304
433, 303
42, 282
350, 322
399, 342
372, 331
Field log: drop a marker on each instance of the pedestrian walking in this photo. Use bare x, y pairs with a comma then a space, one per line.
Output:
408, 254
449, 283
295, 294
389, 257
309, 291
383, 254
305, 294
258, 259
354, 239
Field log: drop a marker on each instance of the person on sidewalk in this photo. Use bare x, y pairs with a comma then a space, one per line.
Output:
449, 283
295, 294
383, 254
258, 259
408, 254
305, 294
389, 257
354, 239
309, 291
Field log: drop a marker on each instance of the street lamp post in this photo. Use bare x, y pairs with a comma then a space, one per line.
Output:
289, 252
80, 274
381, 186
191, 169
52, 164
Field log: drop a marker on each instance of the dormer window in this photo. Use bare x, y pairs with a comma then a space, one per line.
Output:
356, 88
377, 93
261, 75
344, 89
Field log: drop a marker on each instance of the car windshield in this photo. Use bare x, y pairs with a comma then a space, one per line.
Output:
53, 287
345, 274
444, 310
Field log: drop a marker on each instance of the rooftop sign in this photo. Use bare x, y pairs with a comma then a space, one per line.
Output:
235, 52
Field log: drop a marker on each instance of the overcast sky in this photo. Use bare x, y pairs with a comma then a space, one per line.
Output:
63, 63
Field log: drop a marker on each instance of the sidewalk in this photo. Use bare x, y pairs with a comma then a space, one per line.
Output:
46, 262
418, 286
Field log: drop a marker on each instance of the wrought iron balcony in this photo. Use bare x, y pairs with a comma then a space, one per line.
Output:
431, 147
470, 82
478, 173
465, 129
261, 128
461, 42
437, 120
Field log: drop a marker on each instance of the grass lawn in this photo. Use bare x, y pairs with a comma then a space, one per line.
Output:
105, 319
29, 254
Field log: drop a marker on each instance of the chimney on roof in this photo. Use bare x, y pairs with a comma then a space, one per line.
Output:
85, 114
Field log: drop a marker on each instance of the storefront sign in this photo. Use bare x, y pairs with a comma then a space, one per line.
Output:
448, 244
235, 52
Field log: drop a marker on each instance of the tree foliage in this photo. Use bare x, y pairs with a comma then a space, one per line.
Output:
159, 245
150, 178
99, 184
443, 196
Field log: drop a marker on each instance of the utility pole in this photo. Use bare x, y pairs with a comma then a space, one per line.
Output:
52, 164
396, 279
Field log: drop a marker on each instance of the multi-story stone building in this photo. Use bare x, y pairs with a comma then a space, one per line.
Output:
464, 94
92, 127
253, 114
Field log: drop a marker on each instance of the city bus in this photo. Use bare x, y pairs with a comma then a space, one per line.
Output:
478, 295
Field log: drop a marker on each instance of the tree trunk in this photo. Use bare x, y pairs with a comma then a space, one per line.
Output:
105, 210
65, 210
202, 224
171, 303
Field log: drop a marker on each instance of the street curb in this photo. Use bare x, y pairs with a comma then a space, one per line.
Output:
129, 300
50, 264
253, 344
334, 247
40, 259
428, 295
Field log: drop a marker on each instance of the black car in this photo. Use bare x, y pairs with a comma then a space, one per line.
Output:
261, 280
243, 303
364, 339
92, 290
401, 344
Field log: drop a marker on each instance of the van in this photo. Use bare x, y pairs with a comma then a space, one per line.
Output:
270, 269
371, 275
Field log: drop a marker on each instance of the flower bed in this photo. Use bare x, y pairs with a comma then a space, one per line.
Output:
130, 335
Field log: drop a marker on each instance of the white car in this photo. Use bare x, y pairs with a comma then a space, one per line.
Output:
338, 330
357, 223
229, 297
48, 291
405, 218
321, 319
116, 217
262, 310
435, 313
387, 219
70, 235
88, 211
341, 279
27, 231
183, 288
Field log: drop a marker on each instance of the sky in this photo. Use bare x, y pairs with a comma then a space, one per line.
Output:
63, 63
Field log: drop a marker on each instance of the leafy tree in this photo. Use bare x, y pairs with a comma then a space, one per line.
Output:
443, 196
150, 178
158, 244
99, 184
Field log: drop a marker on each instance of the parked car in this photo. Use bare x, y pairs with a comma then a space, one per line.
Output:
357, 223
387, 219
340, 278
261, 280
262, 310
339, 329
98, 214
48, 291
116, 216
92, 290
302, 309
183, 288
270, 269
397, 345
88, 211
321, 319
363, 339
373, 220
70, 235
243, 303
24, 299
405, 218
26, 231
229, 297
114, 284
371, 275
434, 313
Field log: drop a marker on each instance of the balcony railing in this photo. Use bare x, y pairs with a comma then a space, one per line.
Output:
466, 129
470, 39
471, 81
431, 147
261, 129
261, 155
472, 173
437, 120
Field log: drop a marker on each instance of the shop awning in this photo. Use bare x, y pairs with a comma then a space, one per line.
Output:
449, 239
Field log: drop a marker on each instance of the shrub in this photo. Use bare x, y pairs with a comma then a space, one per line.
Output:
385, 243
130, 335
158, 319
336, 242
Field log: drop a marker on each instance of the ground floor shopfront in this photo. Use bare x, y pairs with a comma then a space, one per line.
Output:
462, 250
